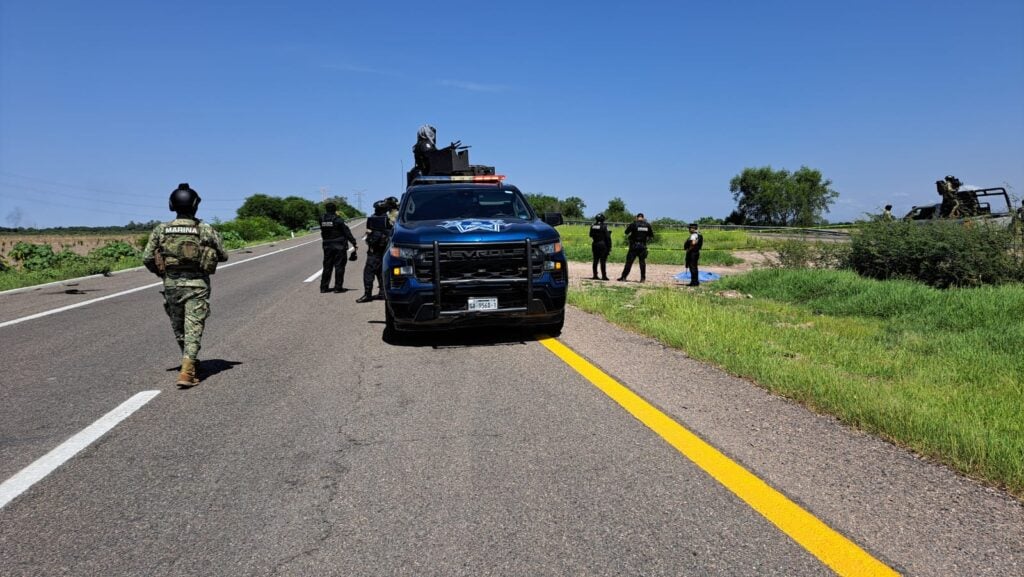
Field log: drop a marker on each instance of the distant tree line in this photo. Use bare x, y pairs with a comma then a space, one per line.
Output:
132, 226
293, 212
763, 196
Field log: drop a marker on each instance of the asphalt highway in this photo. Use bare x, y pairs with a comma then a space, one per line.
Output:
314, 447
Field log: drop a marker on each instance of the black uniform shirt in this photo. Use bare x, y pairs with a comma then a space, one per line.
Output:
639, 232
599, 233
333, 230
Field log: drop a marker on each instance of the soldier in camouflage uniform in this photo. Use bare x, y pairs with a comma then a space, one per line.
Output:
185, 252
948, 188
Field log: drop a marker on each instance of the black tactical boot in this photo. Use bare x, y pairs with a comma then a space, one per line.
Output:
367, 297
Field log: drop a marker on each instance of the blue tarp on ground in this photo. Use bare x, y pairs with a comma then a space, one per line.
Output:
702, 276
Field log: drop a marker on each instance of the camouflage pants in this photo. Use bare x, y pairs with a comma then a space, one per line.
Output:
187, 307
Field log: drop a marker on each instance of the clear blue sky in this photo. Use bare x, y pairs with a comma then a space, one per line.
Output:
105, 106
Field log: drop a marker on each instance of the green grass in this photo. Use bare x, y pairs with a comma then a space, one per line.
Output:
667, 247
16, 278
941, 372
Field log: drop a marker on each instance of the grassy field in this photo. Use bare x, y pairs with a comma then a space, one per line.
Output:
667, 247
78, 243
16, 278
941, 372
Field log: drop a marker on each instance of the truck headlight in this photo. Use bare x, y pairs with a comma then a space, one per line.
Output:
550, 248
406, 252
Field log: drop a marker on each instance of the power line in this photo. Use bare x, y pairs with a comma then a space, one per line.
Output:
98, 190
48, 202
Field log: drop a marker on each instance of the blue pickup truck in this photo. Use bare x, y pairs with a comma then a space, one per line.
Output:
470, 251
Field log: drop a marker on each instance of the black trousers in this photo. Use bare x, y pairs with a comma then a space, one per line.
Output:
636, 251
600, 251
692, 258
372, 270
335, 258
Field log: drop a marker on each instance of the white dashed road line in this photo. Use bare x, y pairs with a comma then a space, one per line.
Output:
317, 274
46, 464
136, 289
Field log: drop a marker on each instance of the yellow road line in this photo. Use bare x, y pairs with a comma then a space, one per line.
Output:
834, 550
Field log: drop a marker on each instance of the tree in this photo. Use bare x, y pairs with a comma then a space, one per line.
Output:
780, 198
572, 207
616, 211
668, 222
271, 207
542, 203
298, 212
345, 210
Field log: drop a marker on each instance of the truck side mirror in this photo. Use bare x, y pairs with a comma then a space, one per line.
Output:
553, 218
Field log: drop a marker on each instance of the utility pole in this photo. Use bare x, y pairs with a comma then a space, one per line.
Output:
323, 194
359, 198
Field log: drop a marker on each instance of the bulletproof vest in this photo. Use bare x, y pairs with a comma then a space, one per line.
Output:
599, 232
697, 242
330, 227
641, 233
421, 154
180, 247
377, 231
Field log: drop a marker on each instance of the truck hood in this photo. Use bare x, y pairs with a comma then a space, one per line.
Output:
472, 230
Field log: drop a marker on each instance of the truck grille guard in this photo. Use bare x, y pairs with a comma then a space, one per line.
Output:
439, 281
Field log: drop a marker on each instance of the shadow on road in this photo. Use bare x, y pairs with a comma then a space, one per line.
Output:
462, 338
210, 367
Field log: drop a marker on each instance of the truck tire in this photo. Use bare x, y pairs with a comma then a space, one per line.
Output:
390, 332
554, 329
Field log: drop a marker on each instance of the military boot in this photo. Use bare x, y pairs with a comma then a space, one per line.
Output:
187, 377
367, 297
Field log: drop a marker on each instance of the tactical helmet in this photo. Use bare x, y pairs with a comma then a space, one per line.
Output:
184, 199
391, 203
599, 217
380, 207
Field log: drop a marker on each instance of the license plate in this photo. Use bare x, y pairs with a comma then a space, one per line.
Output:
483, 304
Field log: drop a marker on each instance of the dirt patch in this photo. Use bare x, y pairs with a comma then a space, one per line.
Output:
664, 274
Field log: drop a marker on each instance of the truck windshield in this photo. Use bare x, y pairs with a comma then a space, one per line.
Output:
437, 203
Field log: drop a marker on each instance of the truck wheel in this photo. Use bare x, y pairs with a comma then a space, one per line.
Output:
391, 334
554, 329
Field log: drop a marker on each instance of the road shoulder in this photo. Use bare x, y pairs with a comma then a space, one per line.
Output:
917, 516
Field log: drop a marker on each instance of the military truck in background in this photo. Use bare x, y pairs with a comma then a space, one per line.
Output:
990, 205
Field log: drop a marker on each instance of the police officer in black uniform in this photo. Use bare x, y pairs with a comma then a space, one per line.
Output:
693, 244
336, 236
426, 143
600, 245
378, 234
639, 233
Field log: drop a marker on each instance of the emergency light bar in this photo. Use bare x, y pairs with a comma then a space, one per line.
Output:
497, 178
